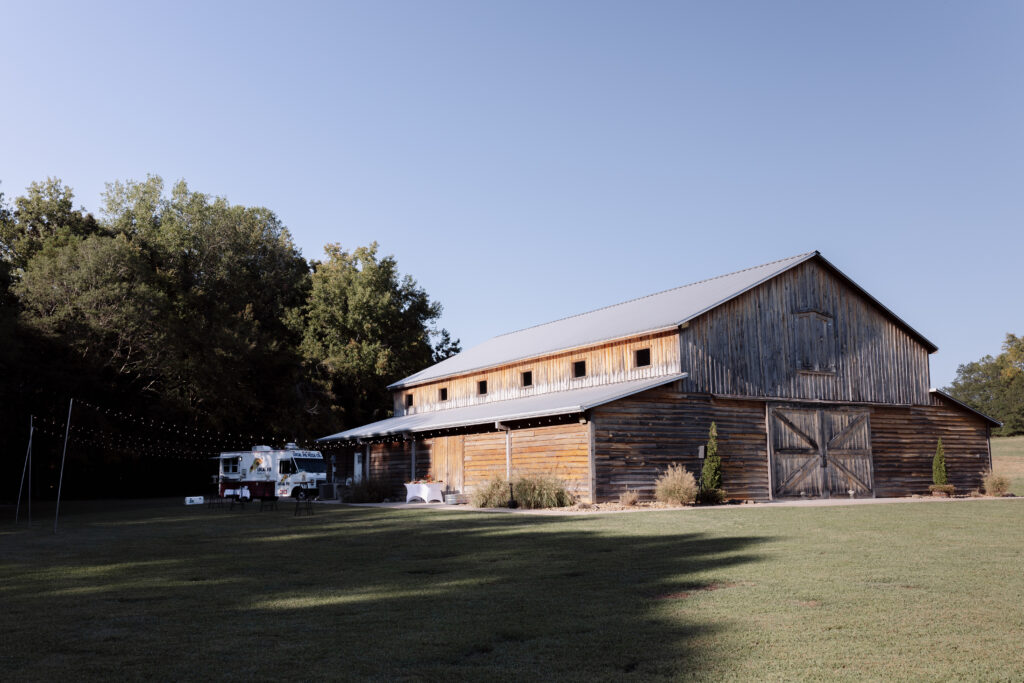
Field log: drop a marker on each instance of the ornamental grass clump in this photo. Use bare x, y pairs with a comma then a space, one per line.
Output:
996, 484
494, 494
537, 492
676, 486
629, 497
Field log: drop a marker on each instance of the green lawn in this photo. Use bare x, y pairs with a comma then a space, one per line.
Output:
925, 591
1008, 460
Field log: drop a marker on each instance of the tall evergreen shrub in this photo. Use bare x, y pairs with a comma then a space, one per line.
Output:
711, 492
939, 477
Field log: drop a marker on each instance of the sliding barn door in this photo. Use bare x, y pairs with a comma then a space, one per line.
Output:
446, 455
820, 451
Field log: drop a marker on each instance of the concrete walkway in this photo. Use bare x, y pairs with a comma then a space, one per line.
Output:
567, 512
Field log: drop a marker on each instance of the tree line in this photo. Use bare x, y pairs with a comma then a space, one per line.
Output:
184, 308
995, 386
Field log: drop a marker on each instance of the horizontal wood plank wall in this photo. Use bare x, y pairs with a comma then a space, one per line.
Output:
606, 364
483, 458
637, 438
903, 442
392, 463
561, 451
749, 346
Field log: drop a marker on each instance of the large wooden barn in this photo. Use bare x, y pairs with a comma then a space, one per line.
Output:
816, 388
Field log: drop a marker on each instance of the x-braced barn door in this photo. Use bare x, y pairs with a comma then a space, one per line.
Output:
820, 451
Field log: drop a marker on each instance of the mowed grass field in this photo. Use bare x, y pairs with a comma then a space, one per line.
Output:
1008, 460
925, 591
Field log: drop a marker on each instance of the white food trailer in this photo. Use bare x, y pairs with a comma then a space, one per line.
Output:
267, 473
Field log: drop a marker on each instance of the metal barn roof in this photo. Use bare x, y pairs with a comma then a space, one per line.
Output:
542, 405
653, 313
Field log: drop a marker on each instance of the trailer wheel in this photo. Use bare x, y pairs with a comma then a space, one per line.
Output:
299, 494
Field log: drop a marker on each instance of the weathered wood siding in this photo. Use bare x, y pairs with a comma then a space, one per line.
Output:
805, 334
903, 442
483, 459
392, 463
446, 461
637, 438
561, 451
606, 363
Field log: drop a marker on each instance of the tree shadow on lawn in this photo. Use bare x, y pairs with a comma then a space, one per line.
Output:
392, 594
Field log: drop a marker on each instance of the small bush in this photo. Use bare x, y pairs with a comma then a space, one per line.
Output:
996, 484
710, 497
948, 489
533, 493
629, 497
493, 494
368, 491
676, 486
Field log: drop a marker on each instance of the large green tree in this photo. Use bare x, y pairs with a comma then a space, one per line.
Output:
995, 386
230, 274
366, 325
95, 295
44, 216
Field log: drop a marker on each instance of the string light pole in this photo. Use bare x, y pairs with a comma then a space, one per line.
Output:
63, 458
26, 468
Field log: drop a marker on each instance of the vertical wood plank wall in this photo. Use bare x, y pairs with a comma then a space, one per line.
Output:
637, 438
606, 364
749, 346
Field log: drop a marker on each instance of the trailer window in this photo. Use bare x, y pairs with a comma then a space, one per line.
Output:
311, 465
230, 466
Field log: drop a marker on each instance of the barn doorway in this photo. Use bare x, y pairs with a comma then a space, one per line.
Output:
446, 458
820, 452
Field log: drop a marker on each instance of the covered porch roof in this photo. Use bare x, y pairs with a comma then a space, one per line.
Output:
541, 405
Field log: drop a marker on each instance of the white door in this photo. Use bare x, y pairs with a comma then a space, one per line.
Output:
357, 468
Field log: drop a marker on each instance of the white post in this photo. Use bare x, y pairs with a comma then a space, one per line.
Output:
508, 453
63, 457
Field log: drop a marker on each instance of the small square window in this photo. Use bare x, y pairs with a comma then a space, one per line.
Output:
443, 393
643, 357
579, 368
481, 387
528, 378
408, 400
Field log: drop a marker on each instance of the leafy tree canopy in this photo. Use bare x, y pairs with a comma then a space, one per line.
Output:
995, 386
365, 325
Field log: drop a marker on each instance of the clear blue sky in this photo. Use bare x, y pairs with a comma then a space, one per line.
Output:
530, 160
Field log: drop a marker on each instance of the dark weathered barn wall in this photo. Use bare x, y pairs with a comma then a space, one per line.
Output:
637, 438
805, 334
903, 442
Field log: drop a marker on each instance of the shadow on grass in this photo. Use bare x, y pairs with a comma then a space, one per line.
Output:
357, 593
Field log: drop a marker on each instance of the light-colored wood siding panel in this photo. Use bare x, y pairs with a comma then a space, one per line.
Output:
903, 442
749, 346
561, 451
446, 462
637, 438
483, 458
606, 364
